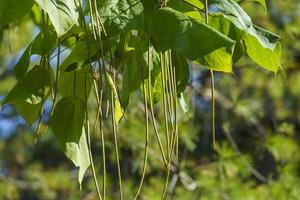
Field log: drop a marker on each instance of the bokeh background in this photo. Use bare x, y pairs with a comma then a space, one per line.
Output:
257, 126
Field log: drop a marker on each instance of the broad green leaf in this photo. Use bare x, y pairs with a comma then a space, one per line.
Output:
38, 46
132, 77
134, 69
218, 60
220, 23
267, 55
12, 10
195, 3
117, 105
29, 92
62, 13
82, 51
67, 124
76, 83
232, 11
261, 2
120, 15
174, 30
261, 46
189, 7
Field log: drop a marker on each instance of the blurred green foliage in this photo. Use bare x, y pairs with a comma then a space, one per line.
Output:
257, 119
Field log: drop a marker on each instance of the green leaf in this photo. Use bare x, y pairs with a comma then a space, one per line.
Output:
121, 15
28, 94
67, 124
76, 83
195, 3
261, 46
38, 46
264, 48
82, 51
132, 77
261, 2
134, 69
117, 105
232, 11
12, 10
189, 7
174, 30
85, 51
62, 13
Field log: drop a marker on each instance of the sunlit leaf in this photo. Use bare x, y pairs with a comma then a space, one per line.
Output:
28, 93
40, 46
67, 124
262, 46
82, 51
62, 13
261, 2
135, 69
267, 55
120, 15
76, 83
174, 30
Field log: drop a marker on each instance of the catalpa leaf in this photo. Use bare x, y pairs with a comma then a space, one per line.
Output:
12, 10
261, 46
134, 69
174, 30
38, 46
62, 13
232, 11
29, 92
76, 83
120, 15
195, 3
67, 124
188, 7
82, 51
264, 48
261, 2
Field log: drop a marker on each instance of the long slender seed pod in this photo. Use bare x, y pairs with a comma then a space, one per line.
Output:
97, 84
114, 126
165, 104
55, 90
146, 139
112, 102
213, 127
43, 64
174, 100
166, 116
87, 125
151, 104
169, 100
99, 108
